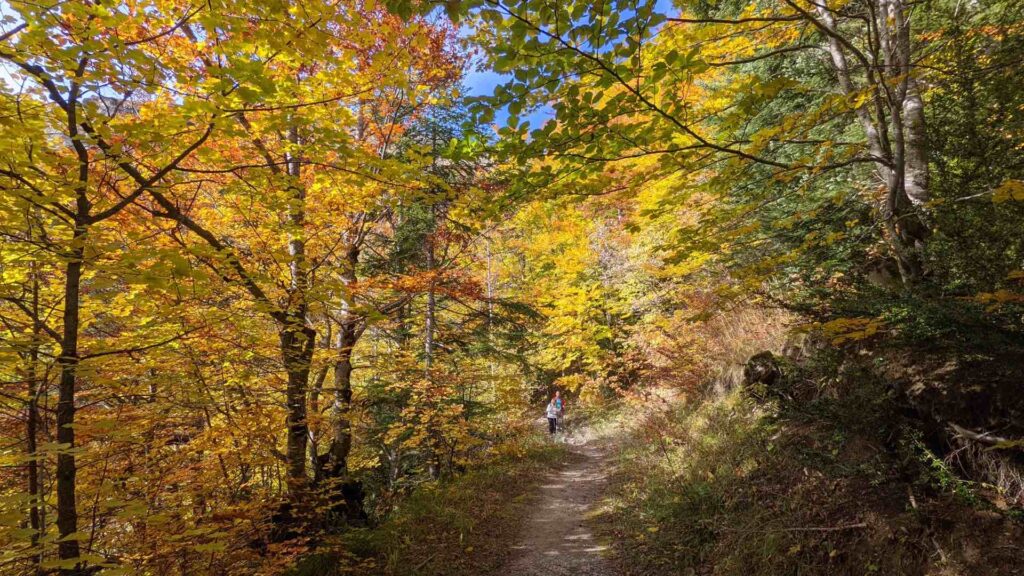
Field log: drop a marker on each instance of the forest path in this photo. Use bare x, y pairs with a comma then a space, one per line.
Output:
557, 538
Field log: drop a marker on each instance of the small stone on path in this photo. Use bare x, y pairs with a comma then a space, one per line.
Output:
556, 540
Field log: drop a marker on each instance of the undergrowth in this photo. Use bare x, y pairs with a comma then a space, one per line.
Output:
732, 487
462, 526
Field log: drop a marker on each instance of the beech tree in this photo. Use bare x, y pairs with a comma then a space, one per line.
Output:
65, 157
621, 79
268, 271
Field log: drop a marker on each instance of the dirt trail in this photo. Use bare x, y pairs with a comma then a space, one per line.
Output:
557, 539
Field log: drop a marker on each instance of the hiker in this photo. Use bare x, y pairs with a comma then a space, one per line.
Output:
552, 414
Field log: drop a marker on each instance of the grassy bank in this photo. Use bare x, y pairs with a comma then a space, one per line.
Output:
465, 525
728, 486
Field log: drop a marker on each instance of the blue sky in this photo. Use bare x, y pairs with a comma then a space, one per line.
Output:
477, 82
482, 82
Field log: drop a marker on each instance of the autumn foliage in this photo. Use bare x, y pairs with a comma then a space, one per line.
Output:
268, 269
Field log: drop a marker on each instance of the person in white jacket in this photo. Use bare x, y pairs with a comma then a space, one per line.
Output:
552, 414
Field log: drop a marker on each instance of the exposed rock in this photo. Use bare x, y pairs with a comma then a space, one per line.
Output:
762, 368
763, 376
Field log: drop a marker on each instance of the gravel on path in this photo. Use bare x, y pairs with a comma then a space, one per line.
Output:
556, 539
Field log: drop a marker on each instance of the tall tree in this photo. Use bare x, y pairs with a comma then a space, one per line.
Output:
624, 81
89, 95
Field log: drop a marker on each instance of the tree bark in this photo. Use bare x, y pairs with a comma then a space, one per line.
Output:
341, 446
346, 494
434, 465
909, 159
429, 314
917, 178
428, 329
900, 150
67, 510
297, 341
32, 421
911, 112
313, 452
345, 340
877, 139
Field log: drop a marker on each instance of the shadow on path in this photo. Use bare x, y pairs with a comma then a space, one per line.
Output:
556, 539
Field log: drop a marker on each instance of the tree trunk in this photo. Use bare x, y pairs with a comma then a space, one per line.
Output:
346, 494
490, 320
341, 446
902, 159
428, 321
917, 178
314, 407
434, 466
428, 329
877, 139
910, 165
297, 352
67, 510
32, 422
345, 340
298, 339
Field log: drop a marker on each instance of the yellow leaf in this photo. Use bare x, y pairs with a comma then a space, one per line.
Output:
1009, 190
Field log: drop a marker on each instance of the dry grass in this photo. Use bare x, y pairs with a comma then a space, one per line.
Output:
732, 337
691, 355
463, 526
466, 526
728, 487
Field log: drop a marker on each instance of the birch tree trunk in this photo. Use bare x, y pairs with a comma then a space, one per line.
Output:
345, 341
892, 118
